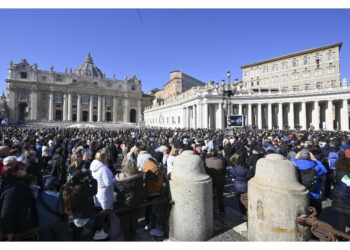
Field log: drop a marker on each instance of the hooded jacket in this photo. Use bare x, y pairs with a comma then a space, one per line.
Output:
320, 171
105, 184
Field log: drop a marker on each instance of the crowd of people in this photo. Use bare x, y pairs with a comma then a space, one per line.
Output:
81, 175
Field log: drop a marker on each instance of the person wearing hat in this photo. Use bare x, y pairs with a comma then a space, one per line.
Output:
18, 213
49, 207
305, 161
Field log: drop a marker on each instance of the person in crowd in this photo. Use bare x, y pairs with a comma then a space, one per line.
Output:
130, 194
32, 166
18, 213
78, 199
215, 168
170, 161
341, 195
306, 161
59, 168
49, 205
241, 173
105, 197
143, 156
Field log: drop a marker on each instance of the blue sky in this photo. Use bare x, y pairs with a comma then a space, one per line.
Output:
150, 43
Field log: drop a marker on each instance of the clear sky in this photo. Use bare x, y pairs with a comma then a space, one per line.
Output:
204, 43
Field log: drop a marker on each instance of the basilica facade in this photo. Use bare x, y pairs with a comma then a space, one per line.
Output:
84, 94
301, 90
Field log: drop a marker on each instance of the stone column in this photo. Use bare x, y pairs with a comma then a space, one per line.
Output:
69, 118
91, 109
240, 109
99, 108
205, 115
329, 116
291, 116
115, 109
34, 105
64, 107
302, 116
184, 117
280, 115
51, 107
275, 199
316, 116
195, 116
259, 117
139, 111
187, 118
220, 117
127, 110
191, 221
345, 116
79, 108
249, 115
269, 115
199, 115
103, 108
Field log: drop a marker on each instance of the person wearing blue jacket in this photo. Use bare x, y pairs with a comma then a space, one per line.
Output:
305, 160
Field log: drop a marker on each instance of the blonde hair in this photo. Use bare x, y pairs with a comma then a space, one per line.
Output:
101, 155
174, 152
130, 167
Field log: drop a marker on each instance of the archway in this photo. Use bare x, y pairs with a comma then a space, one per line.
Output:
85, 116
22, 111
133, 116
58, 115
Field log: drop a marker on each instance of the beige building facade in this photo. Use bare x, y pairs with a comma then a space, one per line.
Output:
81, 95
266, 100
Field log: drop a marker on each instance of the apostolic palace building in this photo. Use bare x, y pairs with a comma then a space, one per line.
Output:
80, 95
299, 90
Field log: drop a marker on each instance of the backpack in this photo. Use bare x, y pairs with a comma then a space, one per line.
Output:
153, 178
308, 177
332, 158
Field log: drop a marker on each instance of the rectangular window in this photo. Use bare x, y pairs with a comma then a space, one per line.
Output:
85, 99
23, 94
23, 75
295, 87
306, 60
295, 63
95, 100
285, 65
178, 119
44, 78
58, 98
318, 85
109, 101
133, 88
307, 86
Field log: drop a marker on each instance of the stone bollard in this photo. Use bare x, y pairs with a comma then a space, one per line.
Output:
191, 217
275, 200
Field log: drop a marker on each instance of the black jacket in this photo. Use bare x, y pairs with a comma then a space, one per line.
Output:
59, 168
34, 169
129, 190
83, 202
18, 213
341, 194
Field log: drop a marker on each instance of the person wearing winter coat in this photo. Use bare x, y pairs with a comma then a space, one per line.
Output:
241, 173
215, 168
105, 196
341, 193
59, 168
49, 205
78, 197
105, 181
305, 160
130, 194
18, 213
32, 167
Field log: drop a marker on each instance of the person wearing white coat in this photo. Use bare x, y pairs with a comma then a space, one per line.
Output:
105, 181
105, 187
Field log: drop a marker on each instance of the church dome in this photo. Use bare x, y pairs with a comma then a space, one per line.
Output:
88, 68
